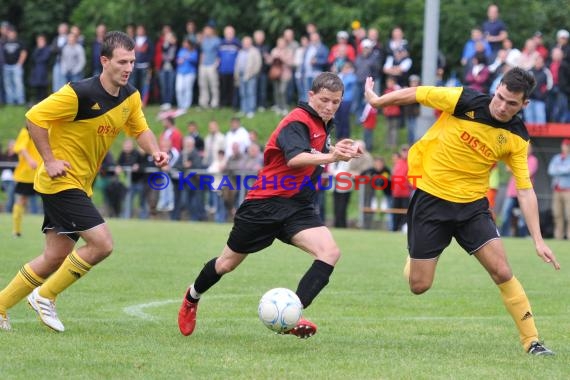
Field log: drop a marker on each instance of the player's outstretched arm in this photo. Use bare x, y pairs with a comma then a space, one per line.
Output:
546, 254
529, 208
398, 97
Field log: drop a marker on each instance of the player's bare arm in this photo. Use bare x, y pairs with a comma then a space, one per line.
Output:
147, 141
313, 159
399, 97
54, 167
529, 208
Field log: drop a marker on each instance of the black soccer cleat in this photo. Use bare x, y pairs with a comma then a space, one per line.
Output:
537, 349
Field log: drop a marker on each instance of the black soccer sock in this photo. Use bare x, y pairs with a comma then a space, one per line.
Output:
206, 279
316, 278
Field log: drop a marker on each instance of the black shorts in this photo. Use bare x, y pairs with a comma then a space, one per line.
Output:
432, 222
26, 189
258, 222
69, 212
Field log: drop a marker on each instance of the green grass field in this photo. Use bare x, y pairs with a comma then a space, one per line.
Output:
121, 319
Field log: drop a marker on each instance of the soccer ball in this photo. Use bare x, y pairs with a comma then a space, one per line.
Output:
280, 309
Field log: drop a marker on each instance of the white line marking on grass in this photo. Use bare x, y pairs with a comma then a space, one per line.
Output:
19, 321
138, 310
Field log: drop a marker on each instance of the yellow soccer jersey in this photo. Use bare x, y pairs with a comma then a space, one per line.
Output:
24, 173
83, 120
455, 156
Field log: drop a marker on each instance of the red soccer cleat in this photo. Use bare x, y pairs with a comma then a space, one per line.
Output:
187, 316
304, 329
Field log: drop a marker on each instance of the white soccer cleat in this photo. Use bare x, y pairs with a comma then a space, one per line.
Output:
5, 322
45, 308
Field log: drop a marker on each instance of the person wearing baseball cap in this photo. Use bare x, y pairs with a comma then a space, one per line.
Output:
562, 33
342, 45
559, 170
367, 44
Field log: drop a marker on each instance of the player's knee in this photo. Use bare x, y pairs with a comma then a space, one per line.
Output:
225, 266
501, 275
51, 262
104, 249
419, 287
335, 253
330, 255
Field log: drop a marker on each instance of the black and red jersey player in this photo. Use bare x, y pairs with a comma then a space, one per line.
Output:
281, 203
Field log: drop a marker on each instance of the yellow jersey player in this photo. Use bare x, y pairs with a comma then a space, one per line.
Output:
28, 161
453, 161
73, 130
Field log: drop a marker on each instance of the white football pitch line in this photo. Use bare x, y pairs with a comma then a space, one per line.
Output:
138, 311
143, 311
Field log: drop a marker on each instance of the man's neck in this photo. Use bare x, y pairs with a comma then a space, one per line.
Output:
108, 86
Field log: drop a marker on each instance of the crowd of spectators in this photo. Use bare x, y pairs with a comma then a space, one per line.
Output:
490, 52
201, 69
198, 167
248, 73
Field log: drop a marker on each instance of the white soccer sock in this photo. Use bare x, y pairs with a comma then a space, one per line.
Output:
193, 293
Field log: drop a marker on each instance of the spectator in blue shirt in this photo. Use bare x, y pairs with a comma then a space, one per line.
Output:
227, 53
186, 69
494, 30
96, 66
342, 116
315, 61
470, 48
208, 78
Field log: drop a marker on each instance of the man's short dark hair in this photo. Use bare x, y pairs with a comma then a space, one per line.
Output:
114, 40
329, 81
518, 80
